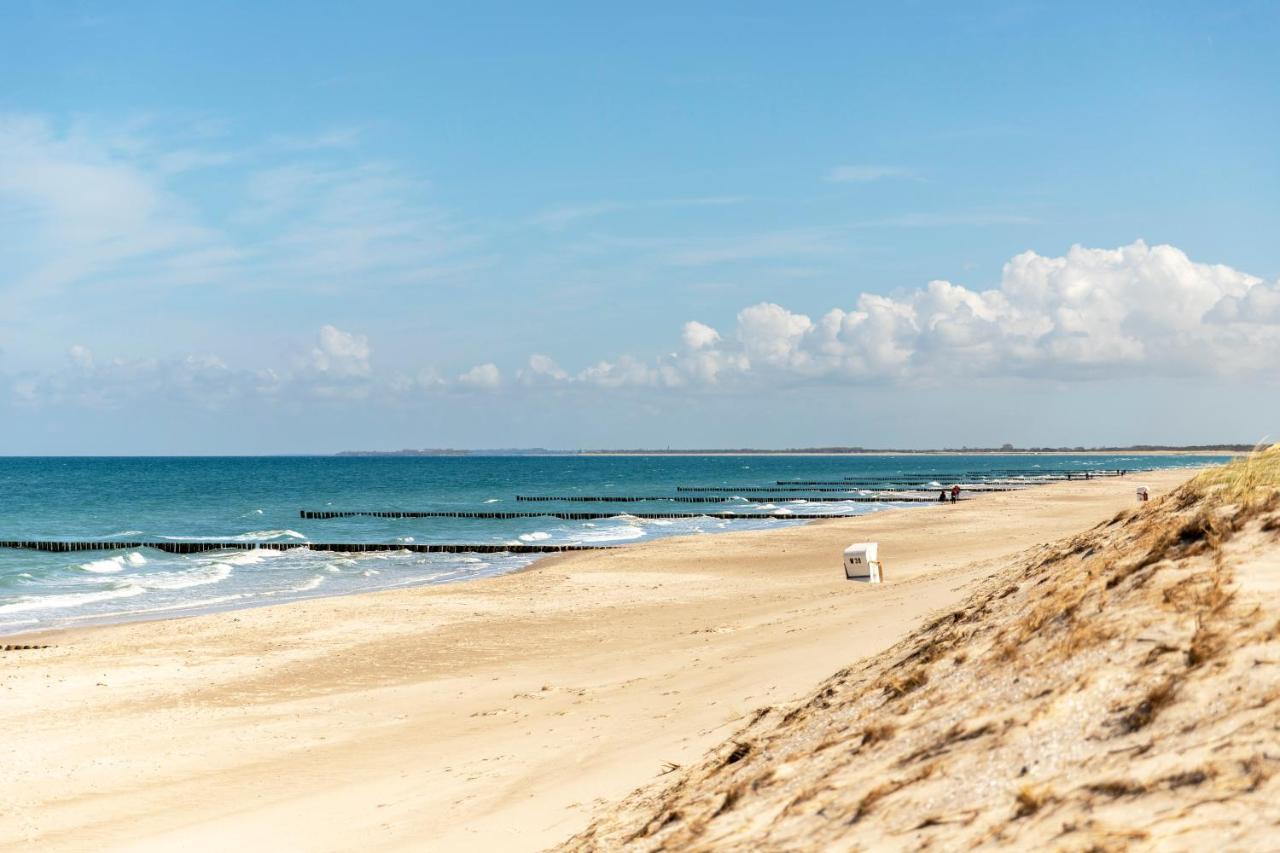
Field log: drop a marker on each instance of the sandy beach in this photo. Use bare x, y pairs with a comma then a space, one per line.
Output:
493, 714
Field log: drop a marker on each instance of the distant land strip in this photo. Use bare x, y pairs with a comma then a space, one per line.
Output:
811, 451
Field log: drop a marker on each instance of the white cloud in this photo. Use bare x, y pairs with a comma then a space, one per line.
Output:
81, 357
541, 370
482, 377
799, 242
1136, 310
88, 206
866, 173
699, 336
557, 218
341, 354
75, 206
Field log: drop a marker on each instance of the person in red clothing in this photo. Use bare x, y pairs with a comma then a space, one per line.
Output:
955, 493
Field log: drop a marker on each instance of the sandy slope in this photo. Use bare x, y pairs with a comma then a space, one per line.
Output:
488, 715
1116, 690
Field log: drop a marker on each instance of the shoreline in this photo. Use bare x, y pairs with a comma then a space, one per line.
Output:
913, 454
110, 620
488, 714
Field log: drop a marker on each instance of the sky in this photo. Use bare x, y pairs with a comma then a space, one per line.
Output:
308, 227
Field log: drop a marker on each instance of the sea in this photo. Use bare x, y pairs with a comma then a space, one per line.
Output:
259, 499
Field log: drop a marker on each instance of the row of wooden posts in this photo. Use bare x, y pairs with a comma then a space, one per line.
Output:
846, 488
339, 547
690, 499
190, 547
565, 516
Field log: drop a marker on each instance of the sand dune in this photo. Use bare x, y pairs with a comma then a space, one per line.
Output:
498, 714
1119, 689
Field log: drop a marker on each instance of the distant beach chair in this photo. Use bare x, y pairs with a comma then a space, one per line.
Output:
862, 562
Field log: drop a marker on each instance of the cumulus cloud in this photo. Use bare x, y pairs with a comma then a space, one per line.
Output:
341, 354
204, 381
1134, 310
542, 369
81, 356
699, 336
1091, 313
482, 377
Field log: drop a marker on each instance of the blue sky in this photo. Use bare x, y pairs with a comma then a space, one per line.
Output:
314, 226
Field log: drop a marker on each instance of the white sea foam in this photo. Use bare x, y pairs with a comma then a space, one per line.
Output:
640, 522
494, 501
268, 534
536, 536
310, 584
28, 603
251, 536
612, 534
185, 605
109, 565
182, 580
248, 558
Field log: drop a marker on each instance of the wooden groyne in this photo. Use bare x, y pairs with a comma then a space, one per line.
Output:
905, 481
567, 516
58, 546
709, 499
847, 487
1012, 472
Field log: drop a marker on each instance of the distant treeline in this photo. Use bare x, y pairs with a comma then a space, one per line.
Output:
747, 451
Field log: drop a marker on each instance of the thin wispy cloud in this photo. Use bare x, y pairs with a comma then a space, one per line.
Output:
867, 173
975, 218
557, 218
788, 243
104, 207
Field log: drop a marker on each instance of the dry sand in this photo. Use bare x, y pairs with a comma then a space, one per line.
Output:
493, 714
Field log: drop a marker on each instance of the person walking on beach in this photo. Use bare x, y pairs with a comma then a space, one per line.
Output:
955, 492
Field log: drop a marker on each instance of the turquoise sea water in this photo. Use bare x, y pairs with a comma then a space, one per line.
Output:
258, 500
